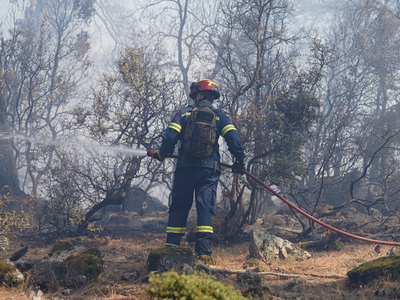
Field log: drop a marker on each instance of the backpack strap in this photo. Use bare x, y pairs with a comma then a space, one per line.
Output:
185, 155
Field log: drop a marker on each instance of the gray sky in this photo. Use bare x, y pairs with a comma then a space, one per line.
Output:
3, 8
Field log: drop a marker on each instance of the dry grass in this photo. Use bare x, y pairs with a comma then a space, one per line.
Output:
321, 263
123, 253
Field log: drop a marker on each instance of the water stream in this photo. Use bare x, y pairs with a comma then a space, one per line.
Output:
115, 148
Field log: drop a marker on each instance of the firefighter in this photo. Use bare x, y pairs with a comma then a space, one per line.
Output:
197, 176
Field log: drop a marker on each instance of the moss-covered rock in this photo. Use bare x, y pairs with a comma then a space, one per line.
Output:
9, 275
249, 277
83, 267
60, 247
5, 268
171, 258
335, 246
387, 268
157, 253
257, 291
66, 267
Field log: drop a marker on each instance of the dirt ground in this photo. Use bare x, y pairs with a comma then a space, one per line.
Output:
127, 249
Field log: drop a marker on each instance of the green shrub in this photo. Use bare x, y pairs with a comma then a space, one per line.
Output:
171, 285
13, 220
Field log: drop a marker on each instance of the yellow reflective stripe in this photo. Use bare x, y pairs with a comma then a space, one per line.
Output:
227, 128
159, 155
176, 229
204, 229
175, 126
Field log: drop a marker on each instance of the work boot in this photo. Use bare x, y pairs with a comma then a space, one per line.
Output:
169, 245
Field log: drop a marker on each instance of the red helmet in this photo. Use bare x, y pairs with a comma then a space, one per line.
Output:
204, 85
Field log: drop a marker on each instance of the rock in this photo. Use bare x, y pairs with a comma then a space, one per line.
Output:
294, 282
387, 268
186, 269
134, 202
81, 279
36, 295
266, 246
20, 265
60, 247
250, 277
388, 292
46, 274
9, 274
171, 258
30, 263
395, 251
335, 246
25, 266
68, 268
131, 275
82, 267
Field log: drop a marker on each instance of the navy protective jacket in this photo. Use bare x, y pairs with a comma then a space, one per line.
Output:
224, 128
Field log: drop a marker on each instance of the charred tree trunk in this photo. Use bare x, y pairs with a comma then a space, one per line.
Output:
115, 196
8, 170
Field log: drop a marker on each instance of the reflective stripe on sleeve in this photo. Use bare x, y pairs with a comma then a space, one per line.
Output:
204, 229
227, 128
179, 230
175, 126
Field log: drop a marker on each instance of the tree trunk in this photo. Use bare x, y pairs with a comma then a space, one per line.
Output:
8, 170
115, 196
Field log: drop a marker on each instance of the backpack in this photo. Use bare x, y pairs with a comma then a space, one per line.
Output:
200, 134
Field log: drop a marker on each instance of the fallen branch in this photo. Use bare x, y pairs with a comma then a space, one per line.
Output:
280, 275
324, 241
337, 276
223, 271
238, 272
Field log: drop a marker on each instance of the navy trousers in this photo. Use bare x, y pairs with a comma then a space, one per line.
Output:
202, 183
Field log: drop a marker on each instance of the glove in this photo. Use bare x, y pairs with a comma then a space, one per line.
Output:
157, 155
238, 166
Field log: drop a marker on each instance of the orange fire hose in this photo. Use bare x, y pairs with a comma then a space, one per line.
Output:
151, 153
309, 216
